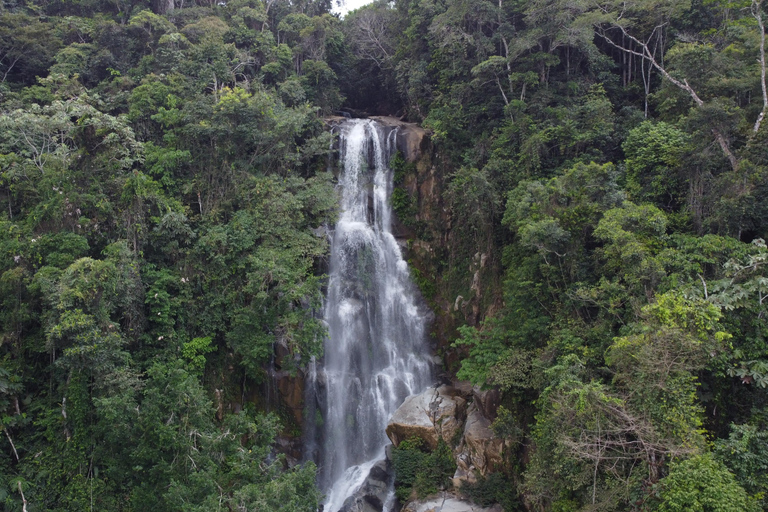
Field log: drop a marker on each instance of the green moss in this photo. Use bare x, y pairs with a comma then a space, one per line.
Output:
425, 283
404, 207
401, 168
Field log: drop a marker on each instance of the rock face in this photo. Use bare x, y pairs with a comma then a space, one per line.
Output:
487, 401
291, 389
481, 450
446, 502
435, 413
411, 138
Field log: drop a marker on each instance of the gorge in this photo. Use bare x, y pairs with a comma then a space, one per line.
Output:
204, 297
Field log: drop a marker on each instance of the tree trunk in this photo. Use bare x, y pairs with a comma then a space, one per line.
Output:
758, 14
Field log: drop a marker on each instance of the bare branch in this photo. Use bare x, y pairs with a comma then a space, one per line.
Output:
703, 282
10, 67
648, 55
371, 38
23, 499
12, 445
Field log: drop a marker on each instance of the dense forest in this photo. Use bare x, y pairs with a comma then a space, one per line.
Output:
164, 178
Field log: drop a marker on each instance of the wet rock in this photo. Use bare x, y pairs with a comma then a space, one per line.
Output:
411, 137
291, 390
388, 452
429, 187
437, 412
446, 502
334, 120
373, 493
291, 447
422, 249
281, 353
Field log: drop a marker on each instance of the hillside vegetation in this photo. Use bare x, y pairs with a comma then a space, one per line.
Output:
164, 173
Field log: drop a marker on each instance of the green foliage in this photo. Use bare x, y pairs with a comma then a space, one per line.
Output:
745, 453
657, 367
195, 351
159, 195
627, 309
702, 484
403, 205
474, 203
647, 414
162, 172
494, 488
420, 471
654, 157
486, 350
576, 416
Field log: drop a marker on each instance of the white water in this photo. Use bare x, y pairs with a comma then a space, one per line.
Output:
376, 353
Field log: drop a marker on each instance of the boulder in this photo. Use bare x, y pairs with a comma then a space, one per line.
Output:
487, 400
463, 387
480, 450
291, 447
446, 502
463, 476
372, 495
437, 412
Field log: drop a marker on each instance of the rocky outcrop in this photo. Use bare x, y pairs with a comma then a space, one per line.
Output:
412, 140
435, 413
291, 389
443, 412
446, 502
480, 450
487, 401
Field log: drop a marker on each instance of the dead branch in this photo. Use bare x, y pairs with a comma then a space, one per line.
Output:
683, 85
23, 499
12, 445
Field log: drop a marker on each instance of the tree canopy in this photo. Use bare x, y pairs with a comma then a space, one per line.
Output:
599, 171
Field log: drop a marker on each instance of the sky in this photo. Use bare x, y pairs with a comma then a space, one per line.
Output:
349, 5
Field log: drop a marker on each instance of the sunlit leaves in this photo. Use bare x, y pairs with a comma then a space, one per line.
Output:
701, 484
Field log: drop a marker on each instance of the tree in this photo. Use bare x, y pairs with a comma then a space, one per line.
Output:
702, 484
370, 35
27, 46
655, 154
624, 19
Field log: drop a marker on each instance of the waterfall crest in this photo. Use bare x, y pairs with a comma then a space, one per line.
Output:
376, 352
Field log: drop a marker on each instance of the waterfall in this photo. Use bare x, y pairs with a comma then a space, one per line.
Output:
375, 354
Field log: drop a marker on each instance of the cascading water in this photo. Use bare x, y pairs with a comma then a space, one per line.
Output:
375, 354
